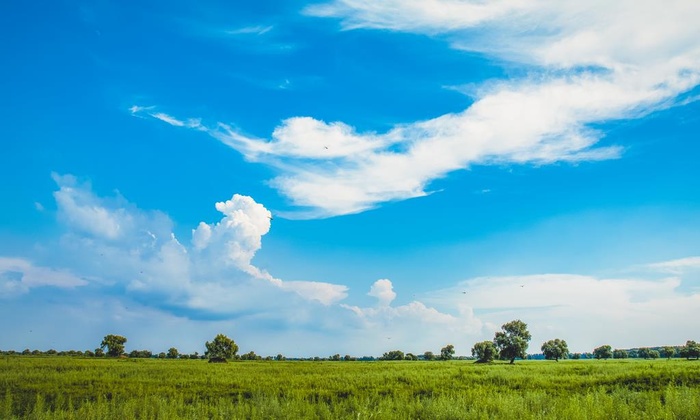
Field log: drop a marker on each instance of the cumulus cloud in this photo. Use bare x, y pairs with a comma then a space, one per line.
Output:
383, 290
120, 243
586, 63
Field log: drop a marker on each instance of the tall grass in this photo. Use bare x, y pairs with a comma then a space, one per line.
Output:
74, 388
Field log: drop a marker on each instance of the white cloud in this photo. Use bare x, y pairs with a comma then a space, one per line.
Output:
587, 63
251, 30
585, 311
383, 290
117, 242
678, 266
18, 276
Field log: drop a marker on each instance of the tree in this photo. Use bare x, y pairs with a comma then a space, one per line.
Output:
172, 353
603, 352
411, 356
690, 350
555, 349
620, 354
114, 344
393, 355
221, 348
428, 355
484, 351
644, 353
512, 342
668, 351
447, 352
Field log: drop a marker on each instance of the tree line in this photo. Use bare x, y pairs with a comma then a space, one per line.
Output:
509, 344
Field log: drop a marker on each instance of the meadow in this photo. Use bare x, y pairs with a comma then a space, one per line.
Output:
103, 388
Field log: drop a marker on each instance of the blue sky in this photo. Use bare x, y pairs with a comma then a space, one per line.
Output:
349, 177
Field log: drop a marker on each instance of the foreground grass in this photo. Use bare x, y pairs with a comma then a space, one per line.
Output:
67, 388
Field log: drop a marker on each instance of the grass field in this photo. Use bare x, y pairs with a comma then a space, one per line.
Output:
88, 388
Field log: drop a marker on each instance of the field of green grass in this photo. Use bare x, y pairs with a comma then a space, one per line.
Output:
95, 388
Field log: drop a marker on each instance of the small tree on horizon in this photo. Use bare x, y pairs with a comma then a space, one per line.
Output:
447, 352
620, 354
221, 348
484, 351
668, 351
691, 350
603, 352
513, 341
555, 349
114, 345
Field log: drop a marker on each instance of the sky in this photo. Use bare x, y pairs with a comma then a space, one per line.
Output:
349, 176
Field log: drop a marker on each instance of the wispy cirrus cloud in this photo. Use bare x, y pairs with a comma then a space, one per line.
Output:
586, 64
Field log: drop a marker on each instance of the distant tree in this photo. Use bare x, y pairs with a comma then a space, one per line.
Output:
513, 341
620, 354
114, 344
221, 348
555, 349
484, 351
576, 356
250, 356
140, 354
690, 350
194, 356
89, 353
26, 352
393, 355
668, 351
335, 357
280, 357
411, 356
447, 352
349, 358
172, 353
643, 352
603, 352
428, 355
99, 352
162, 355
51, 352
654, 354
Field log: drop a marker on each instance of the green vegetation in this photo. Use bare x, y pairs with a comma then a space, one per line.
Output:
555, 349
36, 387
513, 341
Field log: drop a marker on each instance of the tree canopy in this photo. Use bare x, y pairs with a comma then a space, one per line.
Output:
221, 347
690, 350
603, 352
447, 352
555, 349
513, 341
114, 344
484, 351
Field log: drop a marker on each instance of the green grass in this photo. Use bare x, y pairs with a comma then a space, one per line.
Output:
76, 388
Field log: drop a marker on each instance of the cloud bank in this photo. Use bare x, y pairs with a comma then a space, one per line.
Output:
118, 267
